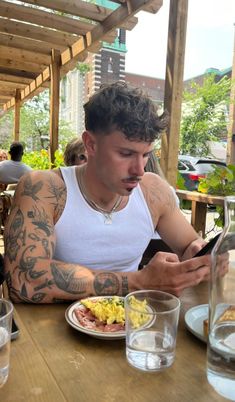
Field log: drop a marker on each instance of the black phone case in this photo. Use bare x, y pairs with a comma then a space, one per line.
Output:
208, 247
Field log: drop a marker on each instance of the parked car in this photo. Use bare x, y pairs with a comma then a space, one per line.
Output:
192, 168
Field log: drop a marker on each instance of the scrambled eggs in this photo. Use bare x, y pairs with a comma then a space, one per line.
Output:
111, 310
138, 318
108, 310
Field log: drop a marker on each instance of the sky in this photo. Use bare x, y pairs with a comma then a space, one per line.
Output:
209, 40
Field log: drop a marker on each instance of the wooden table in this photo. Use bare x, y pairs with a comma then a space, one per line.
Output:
52, 362
199, 207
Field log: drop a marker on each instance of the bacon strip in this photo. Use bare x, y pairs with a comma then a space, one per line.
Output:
89, 321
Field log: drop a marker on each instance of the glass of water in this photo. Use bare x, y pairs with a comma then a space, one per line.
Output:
6, 311
151, 318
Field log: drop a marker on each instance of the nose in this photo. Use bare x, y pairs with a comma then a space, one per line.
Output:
137, 168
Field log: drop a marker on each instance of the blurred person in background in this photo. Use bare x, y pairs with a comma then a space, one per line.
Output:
3, 155
75, 153
12, 170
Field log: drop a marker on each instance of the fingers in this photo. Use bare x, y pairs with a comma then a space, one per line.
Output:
165, 272
195, 263
193, 248
162, 256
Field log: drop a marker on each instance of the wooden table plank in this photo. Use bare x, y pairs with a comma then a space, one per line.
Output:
94, 370
30, 380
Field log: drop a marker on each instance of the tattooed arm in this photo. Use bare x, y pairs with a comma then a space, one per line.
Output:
31, 272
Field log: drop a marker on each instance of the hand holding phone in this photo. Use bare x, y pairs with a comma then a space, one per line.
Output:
208, 247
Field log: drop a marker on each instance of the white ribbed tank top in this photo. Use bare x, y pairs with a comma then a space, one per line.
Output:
83, 238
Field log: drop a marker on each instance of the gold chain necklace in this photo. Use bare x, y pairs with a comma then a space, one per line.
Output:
108, 220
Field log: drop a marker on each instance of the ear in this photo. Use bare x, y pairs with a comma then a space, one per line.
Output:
89, 141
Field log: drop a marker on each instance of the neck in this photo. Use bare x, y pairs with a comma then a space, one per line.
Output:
108, 203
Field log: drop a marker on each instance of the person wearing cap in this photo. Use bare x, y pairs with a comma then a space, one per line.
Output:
12, 170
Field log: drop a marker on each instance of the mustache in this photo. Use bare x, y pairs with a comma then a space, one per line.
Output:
132, 179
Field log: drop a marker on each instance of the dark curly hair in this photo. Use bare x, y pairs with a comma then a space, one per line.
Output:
119, 107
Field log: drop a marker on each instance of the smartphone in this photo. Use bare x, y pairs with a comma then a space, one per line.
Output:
14, 329
208, 247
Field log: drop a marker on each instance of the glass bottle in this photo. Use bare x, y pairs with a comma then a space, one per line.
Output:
221, 337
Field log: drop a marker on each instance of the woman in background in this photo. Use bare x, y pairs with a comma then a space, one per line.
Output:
3, 155
75, 153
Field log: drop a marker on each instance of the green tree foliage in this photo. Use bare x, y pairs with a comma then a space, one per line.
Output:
35, 123
204, 115
39, 160
220, 181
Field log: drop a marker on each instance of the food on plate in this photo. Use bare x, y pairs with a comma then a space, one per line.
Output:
228, 315
102, 314
137, 319
107, 314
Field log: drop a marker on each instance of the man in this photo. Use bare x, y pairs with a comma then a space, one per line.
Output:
81, 231
12, 170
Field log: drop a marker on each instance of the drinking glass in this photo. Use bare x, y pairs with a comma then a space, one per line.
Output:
6, 311
151, 329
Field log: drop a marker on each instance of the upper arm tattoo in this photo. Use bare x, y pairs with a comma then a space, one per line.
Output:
31, 189
40, 220
15, 233
57, 197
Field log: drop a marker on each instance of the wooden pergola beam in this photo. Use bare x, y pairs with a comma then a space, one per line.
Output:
21, 55
17, 116
50, 20
51, 37
174, 86
54, 102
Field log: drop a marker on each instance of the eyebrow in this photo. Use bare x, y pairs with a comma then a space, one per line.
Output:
133, 150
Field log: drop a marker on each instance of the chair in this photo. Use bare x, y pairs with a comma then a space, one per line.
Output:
5, 205
11, 187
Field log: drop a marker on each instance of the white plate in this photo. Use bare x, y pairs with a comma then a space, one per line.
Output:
72, 320
194, 320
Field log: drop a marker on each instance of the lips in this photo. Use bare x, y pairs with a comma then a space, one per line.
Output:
131, 184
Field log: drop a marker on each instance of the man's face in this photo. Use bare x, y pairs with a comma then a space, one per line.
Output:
120, 163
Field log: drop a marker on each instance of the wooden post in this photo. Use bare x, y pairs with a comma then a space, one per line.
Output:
16, 133
54, 102
231, 128
174, 86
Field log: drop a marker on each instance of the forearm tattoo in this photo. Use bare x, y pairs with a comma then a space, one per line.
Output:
125, 286
66, 280
106, 283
